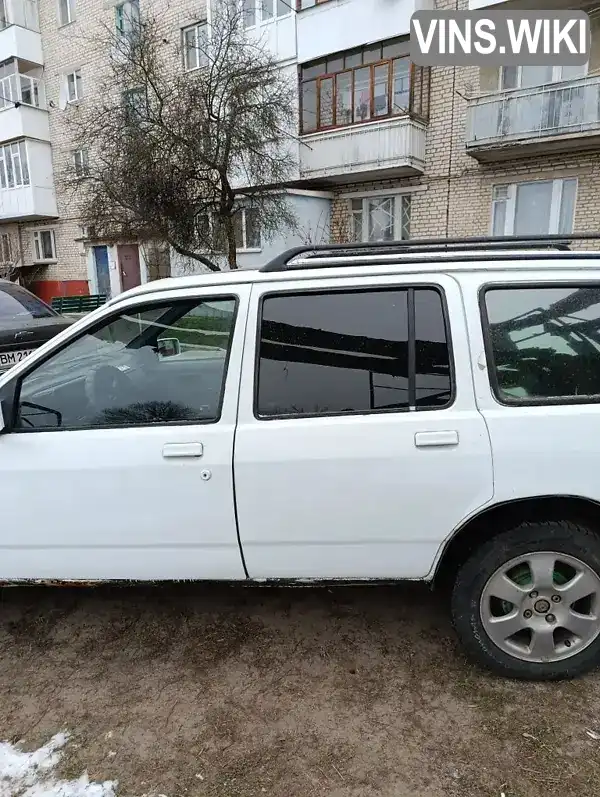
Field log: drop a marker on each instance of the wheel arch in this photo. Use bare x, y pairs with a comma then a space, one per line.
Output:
494, 519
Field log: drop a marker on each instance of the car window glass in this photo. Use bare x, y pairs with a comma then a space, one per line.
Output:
433, 383
342, 352
333, 353
18, 306
162, 364
545, 342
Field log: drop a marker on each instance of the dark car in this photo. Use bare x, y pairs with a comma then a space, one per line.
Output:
25, 323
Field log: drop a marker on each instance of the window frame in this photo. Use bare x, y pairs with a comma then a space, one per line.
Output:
244, 229
258, 17
36, 236
5, 245
81, 162
201, 57
539, 401
409, 287
75, 74
70, 6
372, 66
13, 401
555, 201
126, 19
7, 154
557, 77
404, 196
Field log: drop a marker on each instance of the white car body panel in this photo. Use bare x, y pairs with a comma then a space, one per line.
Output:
353, 496
331, 497
100, 504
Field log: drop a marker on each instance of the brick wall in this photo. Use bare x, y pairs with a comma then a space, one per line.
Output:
457, 200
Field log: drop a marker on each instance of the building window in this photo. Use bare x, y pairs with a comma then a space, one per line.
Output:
302, 4
357, 86
17, 87
256, 11
134, 103
5, 248
544, 343
247, 229
127, 18
14, 170
194, 46
74, 86
385, 218
81, 162
44, 246
334, 353
212, 234
66, 11
522, 77
538, 208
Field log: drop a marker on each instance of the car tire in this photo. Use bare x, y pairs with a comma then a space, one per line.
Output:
471, 601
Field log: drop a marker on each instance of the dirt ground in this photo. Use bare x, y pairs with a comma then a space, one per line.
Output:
195, 691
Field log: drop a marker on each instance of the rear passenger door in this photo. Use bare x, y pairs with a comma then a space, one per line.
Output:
359, 447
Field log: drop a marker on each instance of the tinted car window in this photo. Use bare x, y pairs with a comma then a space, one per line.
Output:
18, 306
342, 352
433, 387
545, 342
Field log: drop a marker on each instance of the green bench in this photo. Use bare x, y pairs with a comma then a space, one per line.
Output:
78, 304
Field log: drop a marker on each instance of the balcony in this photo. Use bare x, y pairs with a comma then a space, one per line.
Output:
28, 203
26, 170
393, 147
19, 31
331, 26
556, 117
23, 108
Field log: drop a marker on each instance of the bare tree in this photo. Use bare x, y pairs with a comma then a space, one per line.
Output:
180, 155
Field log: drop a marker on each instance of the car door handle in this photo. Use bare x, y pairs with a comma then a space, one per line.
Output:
173, 450
434, 439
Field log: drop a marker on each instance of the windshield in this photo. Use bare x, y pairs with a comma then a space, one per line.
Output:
19, 306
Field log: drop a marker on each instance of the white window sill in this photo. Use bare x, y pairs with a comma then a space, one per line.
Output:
66, 24
45, 262
248, 251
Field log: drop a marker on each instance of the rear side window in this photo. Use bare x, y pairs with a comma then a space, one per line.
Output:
544, 343
352, 352
18, 306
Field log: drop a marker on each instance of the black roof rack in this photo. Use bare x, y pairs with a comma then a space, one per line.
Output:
284, 261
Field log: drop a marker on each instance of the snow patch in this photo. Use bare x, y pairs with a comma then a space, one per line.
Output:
30, 774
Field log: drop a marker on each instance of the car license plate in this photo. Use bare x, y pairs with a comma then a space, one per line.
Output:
8, 358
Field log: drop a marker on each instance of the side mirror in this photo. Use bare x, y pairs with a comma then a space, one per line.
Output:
168, 347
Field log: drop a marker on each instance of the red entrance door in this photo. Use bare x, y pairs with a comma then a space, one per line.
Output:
128, 258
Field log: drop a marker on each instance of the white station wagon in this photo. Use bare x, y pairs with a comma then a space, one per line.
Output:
417, 410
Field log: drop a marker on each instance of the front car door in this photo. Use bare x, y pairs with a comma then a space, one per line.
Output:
359, 447
117, 463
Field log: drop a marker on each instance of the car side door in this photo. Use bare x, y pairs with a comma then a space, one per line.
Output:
359, 447
116, 462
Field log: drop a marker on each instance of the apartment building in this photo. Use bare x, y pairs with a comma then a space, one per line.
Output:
384, 149
486, 151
